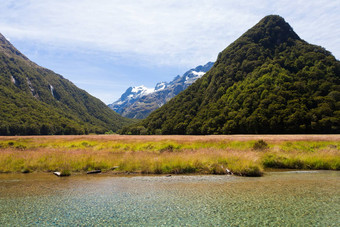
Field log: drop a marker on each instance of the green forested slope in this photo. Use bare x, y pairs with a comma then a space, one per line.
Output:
34, 100
267, 81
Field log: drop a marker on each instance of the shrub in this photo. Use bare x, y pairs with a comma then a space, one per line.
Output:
109, 132
260, 145
168, 148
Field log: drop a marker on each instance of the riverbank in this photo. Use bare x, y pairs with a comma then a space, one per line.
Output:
244, 155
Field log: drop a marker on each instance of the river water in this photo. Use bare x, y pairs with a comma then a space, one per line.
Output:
292, 198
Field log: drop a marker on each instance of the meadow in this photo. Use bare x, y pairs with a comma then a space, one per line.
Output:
244, 155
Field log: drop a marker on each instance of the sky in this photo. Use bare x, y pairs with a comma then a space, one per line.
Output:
106, 46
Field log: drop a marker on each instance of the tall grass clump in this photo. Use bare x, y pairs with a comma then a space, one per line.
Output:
260, 145
324, 160
65, 173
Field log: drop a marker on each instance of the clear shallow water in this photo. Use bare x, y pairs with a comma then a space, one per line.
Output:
277, 199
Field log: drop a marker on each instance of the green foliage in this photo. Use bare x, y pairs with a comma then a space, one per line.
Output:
29, 105
109, 132
65, 173
167, 148
285, 161
267, 81
260, 145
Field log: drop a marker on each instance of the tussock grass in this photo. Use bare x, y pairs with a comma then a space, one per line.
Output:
168, 156
324, 159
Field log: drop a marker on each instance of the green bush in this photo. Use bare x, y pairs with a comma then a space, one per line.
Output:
168, 148
109, 132
260, 145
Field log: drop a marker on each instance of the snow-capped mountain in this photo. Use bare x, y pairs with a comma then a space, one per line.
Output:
129, 97
139, 102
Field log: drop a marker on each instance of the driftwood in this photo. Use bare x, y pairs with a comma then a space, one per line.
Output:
228, 171
62, 174
94, 171
57, 174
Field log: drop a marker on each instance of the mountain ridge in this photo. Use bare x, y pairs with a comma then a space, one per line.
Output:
269, 80
35, 100
138, 102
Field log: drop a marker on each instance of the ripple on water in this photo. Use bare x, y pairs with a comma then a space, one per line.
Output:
286, 198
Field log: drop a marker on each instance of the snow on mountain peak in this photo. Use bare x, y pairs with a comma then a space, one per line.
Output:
160, 86
140, 100
193, 76
142, 90
200, 74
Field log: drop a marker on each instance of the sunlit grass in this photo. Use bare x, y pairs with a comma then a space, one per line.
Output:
148, 156
322, 159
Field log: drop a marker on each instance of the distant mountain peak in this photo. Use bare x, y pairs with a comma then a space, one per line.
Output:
140, 101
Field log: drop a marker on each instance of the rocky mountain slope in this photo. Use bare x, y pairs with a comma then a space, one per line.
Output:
139, 102
35, 100
267, 81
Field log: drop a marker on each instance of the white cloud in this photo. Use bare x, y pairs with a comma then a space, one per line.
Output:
166, 32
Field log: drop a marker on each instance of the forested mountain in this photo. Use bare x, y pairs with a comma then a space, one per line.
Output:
35, 100
139, 102
267, 81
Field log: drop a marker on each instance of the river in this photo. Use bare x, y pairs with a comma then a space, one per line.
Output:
291, 198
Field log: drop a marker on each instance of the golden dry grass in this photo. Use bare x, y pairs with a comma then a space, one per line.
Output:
187, 138
168, 154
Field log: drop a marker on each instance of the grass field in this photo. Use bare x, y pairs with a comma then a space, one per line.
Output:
246, 155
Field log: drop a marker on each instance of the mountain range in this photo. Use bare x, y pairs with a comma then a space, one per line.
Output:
139, 102
267, 81
35, 100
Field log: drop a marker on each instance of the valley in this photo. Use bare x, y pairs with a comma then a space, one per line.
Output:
169, 113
